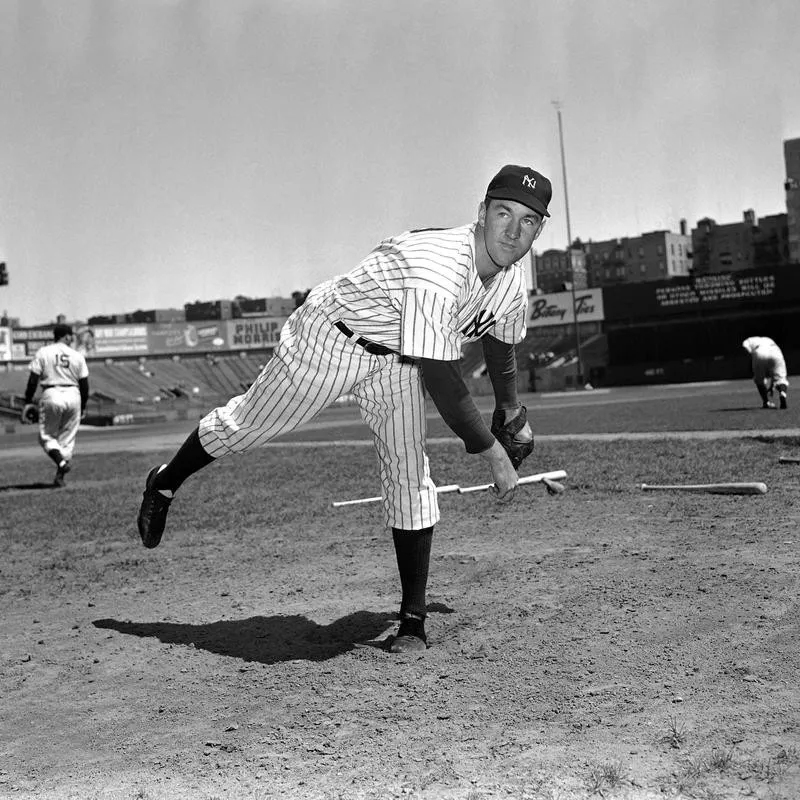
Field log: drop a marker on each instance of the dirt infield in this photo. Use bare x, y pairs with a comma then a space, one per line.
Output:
601, 643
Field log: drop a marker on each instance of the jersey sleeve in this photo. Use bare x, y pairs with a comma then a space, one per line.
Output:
82, 370
512, 327
427, 326
36, 364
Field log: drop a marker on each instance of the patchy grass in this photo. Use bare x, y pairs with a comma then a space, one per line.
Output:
601, 642
605, 776
676, 733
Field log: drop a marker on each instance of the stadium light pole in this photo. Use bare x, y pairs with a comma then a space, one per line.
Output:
557, 105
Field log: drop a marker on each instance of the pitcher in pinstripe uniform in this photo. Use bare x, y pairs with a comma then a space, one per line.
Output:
396, 321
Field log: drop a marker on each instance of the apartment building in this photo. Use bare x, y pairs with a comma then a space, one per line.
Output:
551, 271
791, 156
656, 255
737, 246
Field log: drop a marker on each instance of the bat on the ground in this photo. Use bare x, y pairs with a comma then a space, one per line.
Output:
709, 488
789, 460
451, 487
548, 478
553, 487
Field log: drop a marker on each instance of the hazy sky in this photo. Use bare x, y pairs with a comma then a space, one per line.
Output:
158, 152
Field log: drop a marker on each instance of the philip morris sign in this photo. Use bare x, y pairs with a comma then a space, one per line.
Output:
556, 309
254, 332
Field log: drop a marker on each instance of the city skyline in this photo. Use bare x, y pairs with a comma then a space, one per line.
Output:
166, 152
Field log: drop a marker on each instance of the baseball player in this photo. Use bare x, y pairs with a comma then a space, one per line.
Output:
769, 369
64, 377
397, 320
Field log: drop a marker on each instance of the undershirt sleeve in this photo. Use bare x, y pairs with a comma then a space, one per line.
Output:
454, 402
501, 364
30, 389
83, 388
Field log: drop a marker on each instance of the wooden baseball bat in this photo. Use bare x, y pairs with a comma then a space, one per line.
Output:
709, 488
556, 475
451, 487
789, 460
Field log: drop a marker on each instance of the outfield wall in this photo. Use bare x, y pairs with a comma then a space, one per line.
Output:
683, 329
692, 329
157, 338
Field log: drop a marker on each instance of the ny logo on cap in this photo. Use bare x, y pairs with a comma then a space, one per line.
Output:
528, 181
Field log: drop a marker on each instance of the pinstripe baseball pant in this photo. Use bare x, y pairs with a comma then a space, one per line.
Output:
314, 364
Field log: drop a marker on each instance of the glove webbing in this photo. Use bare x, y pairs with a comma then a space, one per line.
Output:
515, 425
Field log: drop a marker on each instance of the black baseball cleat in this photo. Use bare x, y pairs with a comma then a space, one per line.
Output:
783, 400
410, 636
152, 512
60, 473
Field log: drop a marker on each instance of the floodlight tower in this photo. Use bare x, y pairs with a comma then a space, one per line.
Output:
557, 106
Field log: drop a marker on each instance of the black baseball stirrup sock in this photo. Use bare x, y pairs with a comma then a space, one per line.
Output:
190, 458
413, 551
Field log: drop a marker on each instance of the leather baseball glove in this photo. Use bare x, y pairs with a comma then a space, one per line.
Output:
515, 436
29, 414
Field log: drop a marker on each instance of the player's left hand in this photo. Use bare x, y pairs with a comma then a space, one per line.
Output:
29, 414
514, 433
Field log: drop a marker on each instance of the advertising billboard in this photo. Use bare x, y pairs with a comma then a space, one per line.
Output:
152, 338
658, 299
164, 338
557, 308
254, 332
6, 353
114, 340
31, 338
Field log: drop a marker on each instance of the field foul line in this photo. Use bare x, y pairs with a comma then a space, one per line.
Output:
692, 385
581, 437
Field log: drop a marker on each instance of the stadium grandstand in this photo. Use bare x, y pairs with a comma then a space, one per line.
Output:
684, 329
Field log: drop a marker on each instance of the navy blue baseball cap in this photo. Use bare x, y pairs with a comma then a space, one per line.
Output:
523, 184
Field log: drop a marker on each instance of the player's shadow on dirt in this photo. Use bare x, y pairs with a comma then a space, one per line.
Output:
268, 640
23, 487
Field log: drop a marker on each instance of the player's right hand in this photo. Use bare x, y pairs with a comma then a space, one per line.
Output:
503, 472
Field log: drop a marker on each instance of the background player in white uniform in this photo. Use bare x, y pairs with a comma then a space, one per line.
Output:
64, 377
400, 317
769, 369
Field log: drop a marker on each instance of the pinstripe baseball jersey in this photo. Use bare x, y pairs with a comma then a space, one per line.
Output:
57, 364
419, 294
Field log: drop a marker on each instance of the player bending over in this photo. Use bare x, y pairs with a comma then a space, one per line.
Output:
769, 370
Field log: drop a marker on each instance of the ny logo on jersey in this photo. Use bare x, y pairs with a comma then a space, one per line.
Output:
528, 181
480, 324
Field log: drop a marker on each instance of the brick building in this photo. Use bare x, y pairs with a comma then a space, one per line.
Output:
552, 272
738, 246
791, 155
657, 255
